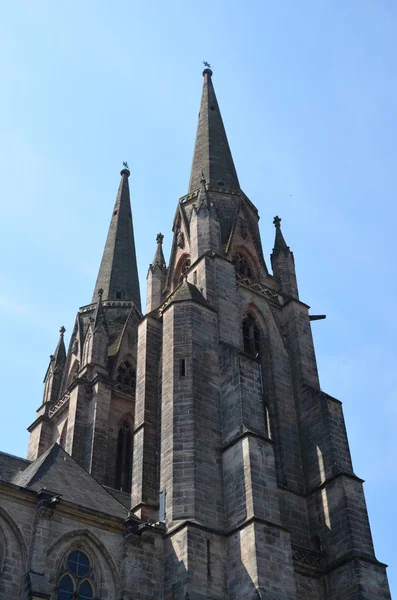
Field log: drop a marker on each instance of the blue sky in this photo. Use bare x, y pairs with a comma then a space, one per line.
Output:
308, 93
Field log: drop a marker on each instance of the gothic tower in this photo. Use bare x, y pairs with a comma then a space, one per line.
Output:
89, 397
208, 410
236, 447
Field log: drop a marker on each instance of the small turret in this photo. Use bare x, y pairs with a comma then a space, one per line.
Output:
53, 376
156, 277
283, 263
95, 350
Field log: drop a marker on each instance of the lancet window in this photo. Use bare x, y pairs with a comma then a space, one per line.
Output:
252, 337
243, 266
124, 458
76, 581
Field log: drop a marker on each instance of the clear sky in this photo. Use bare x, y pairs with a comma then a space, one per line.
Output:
308, 94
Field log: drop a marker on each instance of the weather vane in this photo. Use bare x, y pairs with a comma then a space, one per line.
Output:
125, 164
206, 64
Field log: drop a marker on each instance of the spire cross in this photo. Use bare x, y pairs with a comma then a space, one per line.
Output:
62, 330
159, 238
125, 164
277, 221
206, 64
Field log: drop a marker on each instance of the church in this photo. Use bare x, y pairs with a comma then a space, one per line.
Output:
184, 450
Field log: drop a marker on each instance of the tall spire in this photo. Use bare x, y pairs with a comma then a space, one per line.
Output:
118, 273
211, 151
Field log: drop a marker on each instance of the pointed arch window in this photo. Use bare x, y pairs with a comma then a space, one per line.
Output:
243, 266
252, 337
76, 581
124, 458
126, 378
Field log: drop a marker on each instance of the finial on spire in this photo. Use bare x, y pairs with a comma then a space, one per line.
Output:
62, 330
203, 180
159, 238
207, 69
126, 170
100, 293
277, 221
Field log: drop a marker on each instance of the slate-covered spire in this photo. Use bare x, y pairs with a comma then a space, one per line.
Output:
118, 273
283, 263
211, 151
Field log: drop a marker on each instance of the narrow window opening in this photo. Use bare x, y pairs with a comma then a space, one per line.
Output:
184, 270
115, 212
208, 558
162, 506
124, 459
118, 295
252, 338
182, 367
246, 336
195, 277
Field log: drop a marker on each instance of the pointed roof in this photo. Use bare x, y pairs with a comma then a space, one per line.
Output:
280, 245
57, 471
99, 315
118, 273
59, 355
159, 256
211, 151
60, 350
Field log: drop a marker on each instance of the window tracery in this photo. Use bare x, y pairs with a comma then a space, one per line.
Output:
126, 377
243, 266
124, 459
76, 581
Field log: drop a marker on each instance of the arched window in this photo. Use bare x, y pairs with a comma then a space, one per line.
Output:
124, 458
76, 581
126, 378
184, 269
251, 337
242, 265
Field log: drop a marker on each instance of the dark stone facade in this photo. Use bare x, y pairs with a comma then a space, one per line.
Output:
190, 453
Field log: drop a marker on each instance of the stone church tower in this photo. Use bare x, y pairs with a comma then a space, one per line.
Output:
189, 452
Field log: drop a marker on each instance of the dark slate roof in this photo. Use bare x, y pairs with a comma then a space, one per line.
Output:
58, 472
11, 465
118, 271
212, 154
123, 497
188, 291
